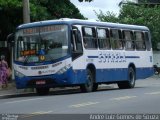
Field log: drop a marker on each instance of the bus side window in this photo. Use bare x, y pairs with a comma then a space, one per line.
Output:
116, 39
76, 41
103, 38
129, 40
89, 37
147, 41
140, 42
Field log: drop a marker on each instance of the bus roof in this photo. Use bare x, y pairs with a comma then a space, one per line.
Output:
83, 22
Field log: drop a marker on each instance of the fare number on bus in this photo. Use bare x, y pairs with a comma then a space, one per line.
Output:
28, 52
42, 29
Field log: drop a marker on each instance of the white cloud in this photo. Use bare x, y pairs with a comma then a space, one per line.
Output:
87, 8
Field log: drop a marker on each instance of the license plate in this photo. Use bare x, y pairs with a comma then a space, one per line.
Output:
42, 82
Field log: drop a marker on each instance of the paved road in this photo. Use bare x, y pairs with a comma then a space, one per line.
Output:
144, 98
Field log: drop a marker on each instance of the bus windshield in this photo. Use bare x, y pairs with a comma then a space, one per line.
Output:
40, 44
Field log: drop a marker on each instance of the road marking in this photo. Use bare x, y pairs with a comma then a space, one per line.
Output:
35, 114
123, 98
23, 100
153, 93
84, 104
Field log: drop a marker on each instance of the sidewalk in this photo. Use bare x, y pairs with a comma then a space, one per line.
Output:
11, 90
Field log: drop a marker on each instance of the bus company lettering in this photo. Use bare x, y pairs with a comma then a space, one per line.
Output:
46, 72
111, 57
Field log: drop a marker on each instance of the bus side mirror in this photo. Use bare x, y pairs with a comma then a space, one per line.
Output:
10, 39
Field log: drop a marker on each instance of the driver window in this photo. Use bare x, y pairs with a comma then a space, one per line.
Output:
76, 40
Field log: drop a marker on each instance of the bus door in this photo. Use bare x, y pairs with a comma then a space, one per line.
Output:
76, 43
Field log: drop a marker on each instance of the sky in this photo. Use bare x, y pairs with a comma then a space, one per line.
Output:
87, 8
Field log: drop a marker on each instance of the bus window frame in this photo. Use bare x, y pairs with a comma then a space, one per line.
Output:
147, 41
132, 40
94, 37
107, 38
75, 39
119, 40
144, 43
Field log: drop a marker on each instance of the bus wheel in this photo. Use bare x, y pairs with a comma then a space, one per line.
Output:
42, 91
131, 80
95, 86
88, 86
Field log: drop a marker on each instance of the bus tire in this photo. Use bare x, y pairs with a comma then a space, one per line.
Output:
95, 86
42, 91
88, 86
131, 80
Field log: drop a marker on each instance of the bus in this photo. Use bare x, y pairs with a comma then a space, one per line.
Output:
73, 52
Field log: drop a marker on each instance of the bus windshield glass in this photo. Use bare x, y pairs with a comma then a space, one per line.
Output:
40, 44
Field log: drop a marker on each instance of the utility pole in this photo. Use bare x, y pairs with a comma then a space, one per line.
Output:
26, 11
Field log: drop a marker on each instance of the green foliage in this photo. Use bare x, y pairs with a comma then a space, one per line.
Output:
137, 15
60, 9
11, 13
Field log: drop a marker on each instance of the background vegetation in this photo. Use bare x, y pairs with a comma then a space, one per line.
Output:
138, 15
11, 15
11, 12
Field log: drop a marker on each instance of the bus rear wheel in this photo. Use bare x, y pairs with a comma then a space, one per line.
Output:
131, 80
88, 86
42, 91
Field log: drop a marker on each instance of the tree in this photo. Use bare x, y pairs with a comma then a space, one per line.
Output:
11, 13
59, 9
137, 15
143, 15
108, 17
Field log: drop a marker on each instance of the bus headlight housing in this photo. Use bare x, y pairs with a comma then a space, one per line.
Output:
18, 74
64, 69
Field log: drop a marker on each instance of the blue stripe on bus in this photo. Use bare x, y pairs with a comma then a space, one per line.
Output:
120, 57
92, 56
132, 56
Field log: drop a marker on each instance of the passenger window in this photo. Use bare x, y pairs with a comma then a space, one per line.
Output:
116, 39
103, 38
140, 42
89, 37
129, 40
148, 42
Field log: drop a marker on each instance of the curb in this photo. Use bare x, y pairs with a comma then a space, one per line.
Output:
17, 95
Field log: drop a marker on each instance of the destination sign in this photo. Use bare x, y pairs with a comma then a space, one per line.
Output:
43, 29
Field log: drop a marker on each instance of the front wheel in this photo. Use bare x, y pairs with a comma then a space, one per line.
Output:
89, 84
131, 80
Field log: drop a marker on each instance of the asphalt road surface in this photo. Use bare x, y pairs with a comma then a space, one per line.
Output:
109, 99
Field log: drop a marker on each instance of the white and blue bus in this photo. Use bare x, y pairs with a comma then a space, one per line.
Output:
72, 52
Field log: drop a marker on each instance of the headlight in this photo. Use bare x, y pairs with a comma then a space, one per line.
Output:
18, 74
64, 69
